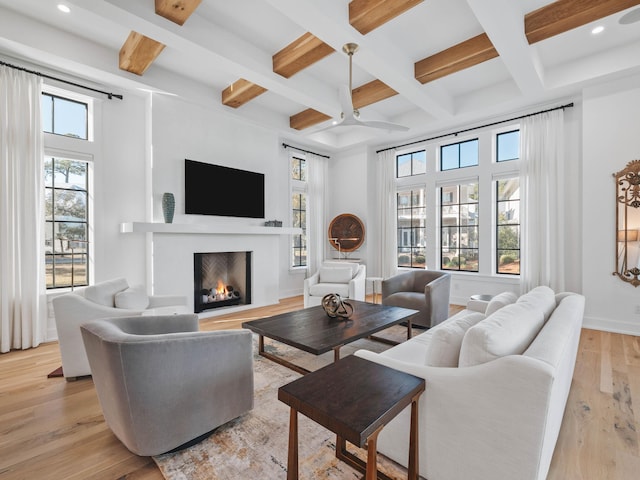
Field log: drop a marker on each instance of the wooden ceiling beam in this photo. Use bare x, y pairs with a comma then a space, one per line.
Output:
463, 55
307, 118
372, 92
241, 92
138, 53
563, 15
367, 15
176, 10
299, 54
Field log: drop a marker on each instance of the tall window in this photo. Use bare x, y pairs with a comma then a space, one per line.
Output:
508, 226
412, 217
67, 187
459, 155
66, 222
299, 210
459, 227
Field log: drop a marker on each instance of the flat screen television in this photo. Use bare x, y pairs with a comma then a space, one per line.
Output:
224, 191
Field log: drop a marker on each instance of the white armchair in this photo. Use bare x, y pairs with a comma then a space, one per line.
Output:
113, 298
347, 279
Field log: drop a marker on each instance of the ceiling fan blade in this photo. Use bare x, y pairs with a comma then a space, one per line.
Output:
382, 125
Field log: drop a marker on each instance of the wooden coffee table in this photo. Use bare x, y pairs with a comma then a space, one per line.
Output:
354, 398
313, 331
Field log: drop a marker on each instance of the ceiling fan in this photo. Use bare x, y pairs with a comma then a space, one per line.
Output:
351, 115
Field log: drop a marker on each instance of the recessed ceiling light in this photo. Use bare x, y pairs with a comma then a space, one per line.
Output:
597, 30
63, 8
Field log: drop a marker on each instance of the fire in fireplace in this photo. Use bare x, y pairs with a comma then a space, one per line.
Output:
221, 279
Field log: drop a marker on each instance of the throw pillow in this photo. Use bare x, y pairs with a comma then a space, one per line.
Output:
446, 340
104, 293
501, 300
509, 331
133, 298
541, 298
335, 275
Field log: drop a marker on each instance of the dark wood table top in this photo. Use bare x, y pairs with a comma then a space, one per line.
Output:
313, 331
352, 397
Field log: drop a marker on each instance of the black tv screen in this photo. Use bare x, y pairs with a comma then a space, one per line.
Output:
216, 190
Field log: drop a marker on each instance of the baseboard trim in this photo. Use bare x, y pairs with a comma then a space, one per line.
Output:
611, 325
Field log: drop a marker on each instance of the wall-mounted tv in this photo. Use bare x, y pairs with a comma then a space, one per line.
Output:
216, 190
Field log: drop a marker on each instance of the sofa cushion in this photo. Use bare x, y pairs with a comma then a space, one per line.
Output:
501, 300
446, 339
104, 293
133, 298
335, 275
413, 300
322, 289
541, 298
509, 331
352, 265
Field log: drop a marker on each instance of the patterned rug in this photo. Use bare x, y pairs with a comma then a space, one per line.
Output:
255, 445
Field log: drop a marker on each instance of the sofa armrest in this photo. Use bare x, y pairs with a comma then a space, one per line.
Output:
357, 285
436, 294
156, 301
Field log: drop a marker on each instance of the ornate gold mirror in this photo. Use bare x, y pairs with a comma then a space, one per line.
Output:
346, 233
628, 222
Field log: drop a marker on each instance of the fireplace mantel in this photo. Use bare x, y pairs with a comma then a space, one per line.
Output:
193, 228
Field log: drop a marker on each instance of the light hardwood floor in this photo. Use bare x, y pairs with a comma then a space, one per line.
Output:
53, 429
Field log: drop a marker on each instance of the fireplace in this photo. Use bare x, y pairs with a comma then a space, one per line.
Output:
221, 279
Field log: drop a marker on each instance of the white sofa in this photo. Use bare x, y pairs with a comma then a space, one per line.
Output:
347, 279
496, 388
113, 298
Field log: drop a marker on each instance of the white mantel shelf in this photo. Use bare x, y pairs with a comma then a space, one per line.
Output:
192, 228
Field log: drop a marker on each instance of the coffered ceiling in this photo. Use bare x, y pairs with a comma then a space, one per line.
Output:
426, 64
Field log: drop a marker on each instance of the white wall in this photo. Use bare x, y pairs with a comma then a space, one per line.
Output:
611, 127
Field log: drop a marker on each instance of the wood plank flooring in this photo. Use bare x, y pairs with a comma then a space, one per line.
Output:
54, 429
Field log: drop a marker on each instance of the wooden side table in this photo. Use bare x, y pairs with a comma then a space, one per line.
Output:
355, 399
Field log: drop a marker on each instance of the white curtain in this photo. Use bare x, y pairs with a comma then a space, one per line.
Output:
317, 168
387, 220
542, 186
22, 283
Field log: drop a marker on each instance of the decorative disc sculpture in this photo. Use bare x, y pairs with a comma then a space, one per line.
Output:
336, 307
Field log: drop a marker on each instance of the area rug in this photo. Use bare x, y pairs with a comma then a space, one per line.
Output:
255, 445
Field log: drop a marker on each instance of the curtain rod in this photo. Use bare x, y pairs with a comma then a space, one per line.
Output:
108, 94
285, 145
562, 107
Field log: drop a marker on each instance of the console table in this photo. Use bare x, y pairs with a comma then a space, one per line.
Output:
355, 399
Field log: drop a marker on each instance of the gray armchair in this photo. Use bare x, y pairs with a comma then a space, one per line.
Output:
162, 383
423, 290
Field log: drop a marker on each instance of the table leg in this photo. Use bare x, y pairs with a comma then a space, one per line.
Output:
414, 463
336, 353
292, 459
372, 456
260, 344
409, 329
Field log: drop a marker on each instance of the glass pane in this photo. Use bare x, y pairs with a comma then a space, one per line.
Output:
509, 212
48, 204
509, 189
469, 214
508, 146
48, 270
70, 206
404, 214
469, 193
419, 217
419, 162
303, 170
404, 257
303, 218
469, 260
48, 171
303, 201
449, 195
469, 237
68, 236
449, 157
404, 199
450, 215
48, 237
509, 261
417, 198
46, 106
295, 201
508, 237
403, 165
469, 153
69, 118
404, 237
418, 259
295, 168
449, 238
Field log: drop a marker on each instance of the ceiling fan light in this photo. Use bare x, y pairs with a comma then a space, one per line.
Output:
597, 30
63, 8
